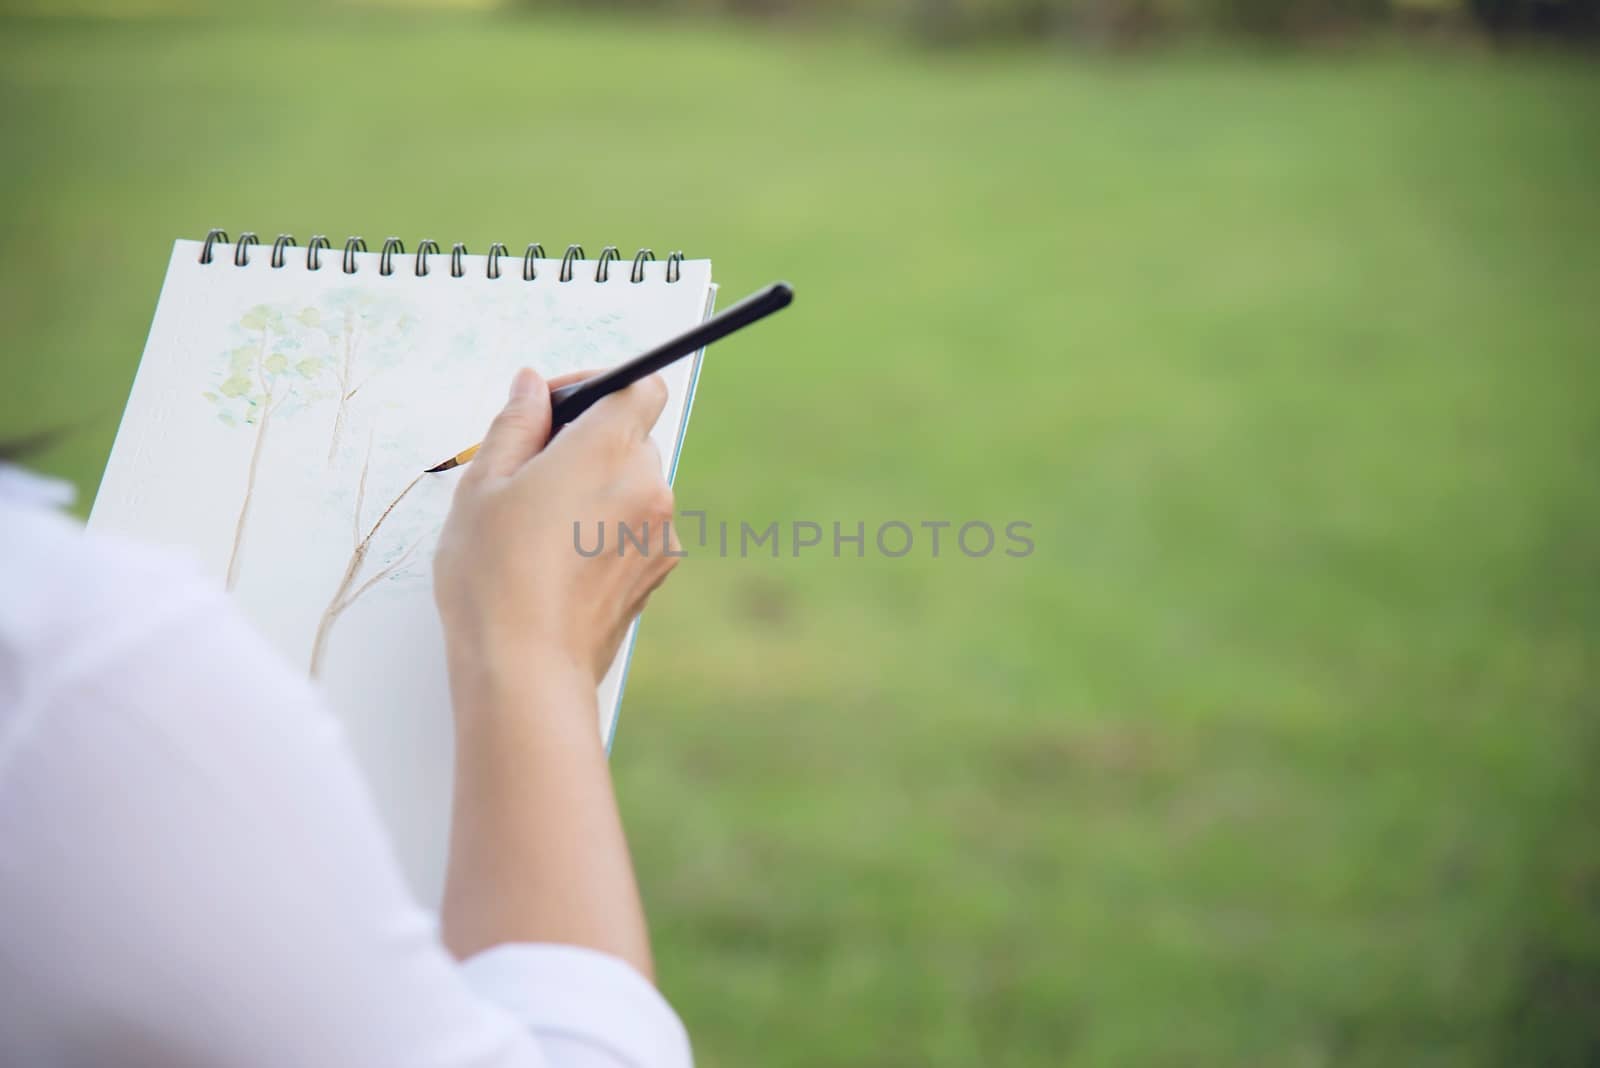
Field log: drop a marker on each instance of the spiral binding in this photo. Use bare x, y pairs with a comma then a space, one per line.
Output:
393, 247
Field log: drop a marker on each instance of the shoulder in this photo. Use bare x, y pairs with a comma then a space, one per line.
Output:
70, 595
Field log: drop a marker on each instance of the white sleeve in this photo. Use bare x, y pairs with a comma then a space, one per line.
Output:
191, 871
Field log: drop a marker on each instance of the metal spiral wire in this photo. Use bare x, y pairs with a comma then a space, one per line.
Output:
393, 248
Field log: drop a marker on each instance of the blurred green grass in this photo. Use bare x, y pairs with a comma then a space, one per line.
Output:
1277, 750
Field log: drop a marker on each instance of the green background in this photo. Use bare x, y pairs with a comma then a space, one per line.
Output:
1279, 748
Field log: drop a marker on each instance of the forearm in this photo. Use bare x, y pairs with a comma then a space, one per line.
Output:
537, 852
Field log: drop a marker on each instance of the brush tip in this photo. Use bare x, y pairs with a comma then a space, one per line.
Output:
436, 468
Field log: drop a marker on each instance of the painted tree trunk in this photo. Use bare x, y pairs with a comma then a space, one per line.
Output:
346, 369
335, 606
348, 593
249, 492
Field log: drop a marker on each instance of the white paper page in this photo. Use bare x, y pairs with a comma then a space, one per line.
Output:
277, 415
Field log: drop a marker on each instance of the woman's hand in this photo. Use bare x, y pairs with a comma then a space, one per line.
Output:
514, 593
531, 624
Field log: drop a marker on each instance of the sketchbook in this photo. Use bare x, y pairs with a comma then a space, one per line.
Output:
286, 402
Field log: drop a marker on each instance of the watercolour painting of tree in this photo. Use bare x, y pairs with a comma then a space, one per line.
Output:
267, 370
282, 362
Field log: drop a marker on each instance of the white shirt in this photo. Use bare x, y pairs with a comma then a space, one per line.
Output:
191, 870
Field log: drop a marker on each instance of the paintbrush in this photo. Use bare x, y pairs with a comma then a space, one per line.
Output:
571, 401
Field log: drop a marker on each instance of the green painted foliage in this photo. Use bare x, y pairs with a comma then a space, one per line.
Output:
273, 358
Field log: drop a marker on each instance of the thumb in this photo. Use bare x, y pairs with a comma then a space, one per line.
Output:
520, 430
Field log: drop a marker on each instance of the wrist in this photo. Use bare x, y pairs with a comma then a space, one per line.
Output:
532, 686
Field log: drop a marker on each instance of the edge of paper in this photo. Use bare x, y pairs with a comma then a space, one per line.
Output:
122, 419
672, 473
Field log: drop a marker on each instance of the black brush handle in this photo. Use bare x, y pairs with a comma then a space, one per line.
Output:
571, 401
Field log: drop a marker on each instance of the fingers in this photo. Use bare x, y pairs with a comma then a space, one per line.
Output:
519, 431
634, 409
